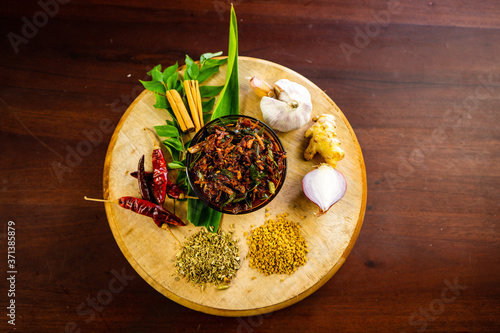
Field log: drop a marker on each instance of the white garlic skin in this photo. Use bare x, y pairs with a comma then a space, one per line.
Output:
291, 110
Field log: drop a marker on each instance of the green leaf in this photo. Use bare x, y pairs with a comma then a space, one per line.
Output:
169, 71
167, 131
173, 122
253, 172
192, 69
203, 216
228, 102
173, 152
172, 81
214, 63
182, 179
186, 75
226, 173
205, 73
189, 61
176, 165
174, 143
154, 86
208, 105
229, 200
243, 197
180, 88
207, 117
156, 74
210, 91
208, 55
161, 102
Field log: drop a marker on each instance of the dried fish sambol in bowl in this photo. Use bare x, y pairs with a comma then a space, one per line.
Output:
236, 164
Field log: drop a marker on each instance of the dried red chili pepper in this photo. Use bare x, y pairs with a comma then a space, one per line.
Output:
140, 206
173, 190
159, 214
143, 183
148, 175
160, 173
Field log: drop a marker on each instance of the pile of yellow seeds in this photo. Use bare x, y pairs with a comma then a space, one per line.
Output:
277, 246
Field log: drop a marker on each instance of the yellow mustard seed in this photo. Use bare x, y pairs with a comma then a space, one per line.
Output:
277, 247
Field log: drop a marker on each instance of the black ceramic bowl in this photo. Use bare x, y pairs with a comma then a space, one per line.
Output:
250, 203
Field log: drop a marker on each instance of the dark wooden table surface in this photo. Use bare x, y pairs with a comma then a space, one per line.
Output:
419, 82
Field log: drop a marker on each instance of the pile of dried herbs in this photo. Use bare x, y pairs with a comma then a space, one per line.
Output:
209, 258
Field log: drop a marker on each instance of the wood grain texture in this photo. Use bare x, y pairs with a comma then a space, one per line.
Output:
429, 218
151, 251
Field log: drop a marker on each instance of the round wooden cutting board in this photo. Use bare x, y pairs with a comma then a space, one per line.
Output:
151, 250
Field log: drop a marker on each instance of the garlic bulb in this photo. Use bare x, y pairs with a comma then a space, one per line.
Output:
290, 110
261, 88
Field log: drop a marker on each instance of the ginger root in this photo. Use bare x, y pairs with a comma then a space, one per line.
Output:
323, 140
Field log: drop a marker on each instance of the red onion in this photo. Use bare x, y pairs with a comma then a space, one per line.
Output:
324, 186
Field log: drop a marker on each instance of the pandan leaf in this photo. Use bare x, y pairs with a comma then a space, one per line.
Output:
228, 103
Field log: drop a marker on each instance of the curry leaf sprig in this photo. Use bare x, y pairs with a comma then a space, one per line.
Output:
170, 78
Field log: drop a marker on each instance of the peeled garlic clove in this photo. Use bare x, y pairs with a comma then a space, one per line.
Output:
292, 108
261, 88
324, 186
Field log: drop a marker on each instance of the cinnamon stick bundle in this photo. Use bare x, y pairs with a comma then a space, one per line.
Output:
193, 95
180, 111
